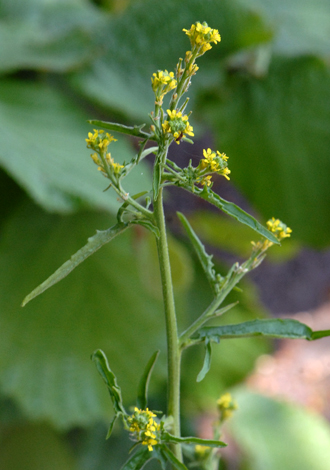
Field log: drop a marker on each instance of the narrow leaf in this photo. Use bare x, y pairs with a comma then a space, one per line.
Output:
234, 211
193, 440
112, 423
148, 225
172, 459
138, 460
274, 328
207, 361
94, 244
142, 398
136, 130
204, 258
110, 379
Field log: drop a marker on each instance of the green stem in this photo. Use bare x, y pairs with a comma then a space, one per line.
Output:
173, 351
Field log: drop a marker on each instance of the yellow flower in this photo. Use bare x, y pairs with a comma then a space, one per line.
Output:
201, 36
226, 406
144, 428
278, 228
215, 163
99, 141
162, 82
177, 125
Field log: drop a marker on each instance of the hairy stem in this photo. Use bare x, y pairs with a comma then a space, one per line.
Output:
173, 352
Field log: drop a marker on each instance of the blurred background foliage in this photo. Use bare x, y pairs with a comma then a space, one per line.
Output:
262, 96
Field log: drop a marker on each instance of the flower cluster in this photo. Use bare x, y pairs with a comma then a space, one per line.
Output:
213, 162
226, 406
144, 428
99, 141
177, 125
278, 228
201, 36
162, 82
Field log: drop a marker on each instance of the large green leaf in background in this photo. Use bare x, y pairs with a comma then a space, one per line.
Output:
300, 26
42, 146
274, 435
148, 36
279, 127
34, 447
52, 35
45, 348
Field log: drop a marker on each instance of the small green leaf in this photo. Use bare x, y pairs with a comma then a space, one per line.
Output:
168, 454
142, 398
207, 361
112, 126
94, 244
204, 258
110, 379
112, 423
234, 211
148, 225
274, 328
138, 460
193, 440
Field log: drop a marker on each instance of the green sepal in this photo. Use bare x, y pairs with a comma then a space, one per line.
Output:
142, 397
170, 457
113, 126
138, 460
112, 423
110, 380
94, 244
207, 361
193, 440
274, 328
233, 210
204, 258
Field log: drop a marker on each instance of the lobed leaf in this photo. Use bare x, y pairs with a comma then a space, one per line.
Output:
241, 216
274, 328
138, 460
110, 380
94, 244
204, 258
168, 454
194, 440
113, 126
207, 361
142, 398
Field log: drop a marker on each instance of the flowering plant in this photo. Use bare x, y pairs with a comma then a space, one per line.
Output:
157, 435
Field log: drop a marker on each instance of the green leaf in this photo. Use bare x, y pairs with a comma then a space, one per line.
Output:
47, 154
207, 361
45, 347
48, 35
193, 440
274, 328
111, 425
301, 26
276, 435
233, 210
94, 243
136, 131
34, 447
204, 258
274, 161
138, 460
142, 398
168, 454
110, 380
